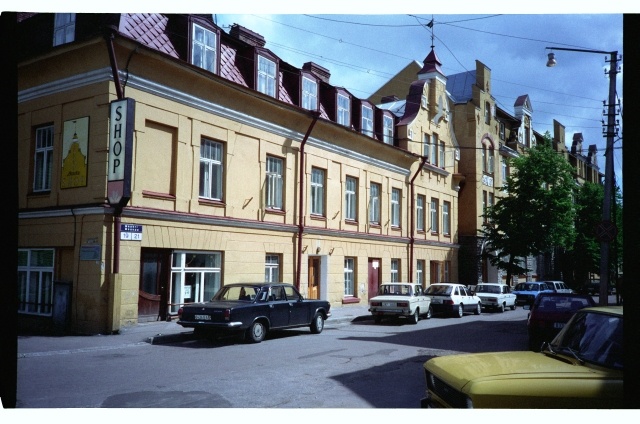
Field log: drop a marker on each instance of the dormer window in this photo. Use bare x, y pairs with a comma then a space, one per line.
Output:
64, 28
344, 111
387, 129
367, 121
309, 94
266, 76
204, 48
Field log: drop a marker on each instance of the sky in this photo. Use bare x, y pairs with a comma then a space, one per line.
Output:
373, 40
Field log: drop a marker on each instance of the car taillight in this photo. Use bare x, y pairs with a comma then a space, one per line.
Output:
227, 314
376, 303
448, 302
403, 304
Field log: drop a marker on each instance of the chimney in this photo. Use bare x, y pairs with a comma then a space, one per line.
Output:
246, 35
317, 70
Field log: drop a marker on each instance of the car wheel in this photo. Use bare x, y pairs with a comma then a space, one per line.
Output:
513, 307
317, 325
478, 310
256, 332
415, 317
460, 311
429, 312
501, 308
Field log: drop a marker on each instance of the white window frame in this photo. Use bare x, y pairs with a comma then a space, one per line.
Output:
420, 215
434, 150
446, 218
309, 93
504, 169
209, 278
420, 264
344, 110
266, 76
274, 182
204, 48
490, 160
387, 129
272, 268
351, 199
64, 28
211, 169
434, 215
35, 281
43, 159
349, 277
442, 154
396, 195
317, 191
395, 270
426, 145
367, 120
374, 203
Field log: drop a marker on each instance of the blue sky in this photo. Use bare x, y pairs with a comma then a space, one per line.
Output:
373, 40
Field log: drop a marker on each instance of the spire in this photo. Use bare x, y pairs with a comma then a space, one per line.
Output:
431, 63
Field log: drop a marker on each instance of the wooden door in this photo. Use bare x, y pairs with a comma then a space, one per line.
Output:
314, 278
374, 276
154, 284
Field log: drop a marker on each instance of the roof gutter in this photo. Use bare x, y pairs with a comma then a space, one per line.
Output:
301, 181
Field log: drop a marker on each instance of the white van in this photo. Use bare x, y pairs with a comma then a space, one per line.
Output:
558, 286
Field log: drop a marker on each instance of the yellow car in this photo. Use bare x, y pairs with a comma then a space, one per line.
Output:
581, 368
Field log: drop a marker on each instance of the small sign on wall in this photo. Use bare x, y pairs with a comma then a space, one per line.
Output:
131, 232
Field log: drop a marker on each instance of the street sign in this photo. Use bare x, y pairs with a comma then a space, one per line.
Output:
130, 232
606, 231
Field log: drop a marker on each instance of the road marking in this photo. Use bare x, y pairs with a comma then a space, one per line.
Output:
80, 350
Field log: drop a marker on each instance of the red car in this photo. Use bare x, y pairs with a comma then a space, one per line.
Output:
550, 312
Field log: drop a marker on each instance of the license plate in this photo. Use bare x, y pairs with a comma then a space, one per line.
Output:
203, 317
388, 304
558, 324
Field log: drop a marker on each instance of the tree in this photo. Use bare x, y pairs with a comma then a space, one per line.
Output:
537, 213
586, 248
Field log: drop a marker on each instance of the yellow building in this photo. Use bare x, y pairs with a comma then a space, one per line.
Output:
209, 161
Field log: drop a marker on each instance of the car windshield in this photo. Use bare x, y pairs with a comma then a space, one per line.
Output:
245, 293
487, 289
395, 289
592, 337
528, 287
442, 290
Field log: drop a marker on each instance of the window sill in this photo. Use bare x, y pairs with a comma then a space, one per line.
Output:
350, 222
210, 202
350, 300
155, 195
318, 218
274, 211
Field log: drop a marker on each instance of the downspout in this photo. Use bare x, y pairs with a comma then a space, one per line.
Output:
315, 115
109, 36
413, 212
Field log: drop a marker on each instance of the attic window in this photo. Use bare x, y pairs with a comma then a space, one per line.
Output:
204, 48
387, 130
344, 111
309, 94
266, 76
367, 121
64, 28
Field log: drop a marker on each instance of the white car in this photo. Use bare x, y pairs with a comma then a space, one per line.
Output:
496, 296
453, 299
396, 300
558, 286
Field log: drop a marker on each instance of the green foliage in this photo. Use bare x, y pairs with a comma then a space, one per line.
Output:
537, 213
586, 249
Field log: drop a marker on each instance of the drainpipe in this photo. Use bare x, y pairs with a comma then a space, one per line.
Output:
301, 180
109, 36
413, 212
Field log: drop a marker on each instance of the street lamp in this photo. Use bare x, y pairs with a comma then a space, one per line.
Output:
606, 229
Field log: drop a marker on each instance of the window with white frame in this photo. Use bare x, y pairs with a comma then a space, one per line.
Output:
64, 28
349, 277
367, 121
195, 277
211, 169
490, 160
503, 169
420, 272
434, 215
374, 204
484, 158
396, 194
344, 111
204, 48
446, 218
434, 150
420, 213
351, 199
502, 131
442, 161
395, 270
387, 129
272, 268
317, 191
309, 94
43, 159
426, 145
273, 184
487, 112
35, 281
266, 76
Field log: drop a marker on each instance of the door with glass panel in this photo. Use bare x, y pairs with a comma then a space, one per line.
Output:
195, 277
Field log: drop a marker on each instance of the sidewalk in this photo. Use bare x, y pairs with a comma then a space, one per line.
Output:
156, 332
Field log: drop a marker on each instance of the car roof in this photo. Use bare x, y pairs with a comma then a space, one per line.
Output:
396, 284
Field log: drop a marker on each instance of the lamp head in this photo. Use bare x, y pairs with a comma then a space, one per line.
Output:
552, 60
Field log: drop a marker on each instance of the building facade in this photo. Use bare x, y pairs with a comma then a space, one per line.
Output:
161, 158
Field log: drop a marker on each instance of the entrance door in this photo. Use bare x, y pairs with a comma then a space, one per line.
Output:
314, 278
154, 288
374, 276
